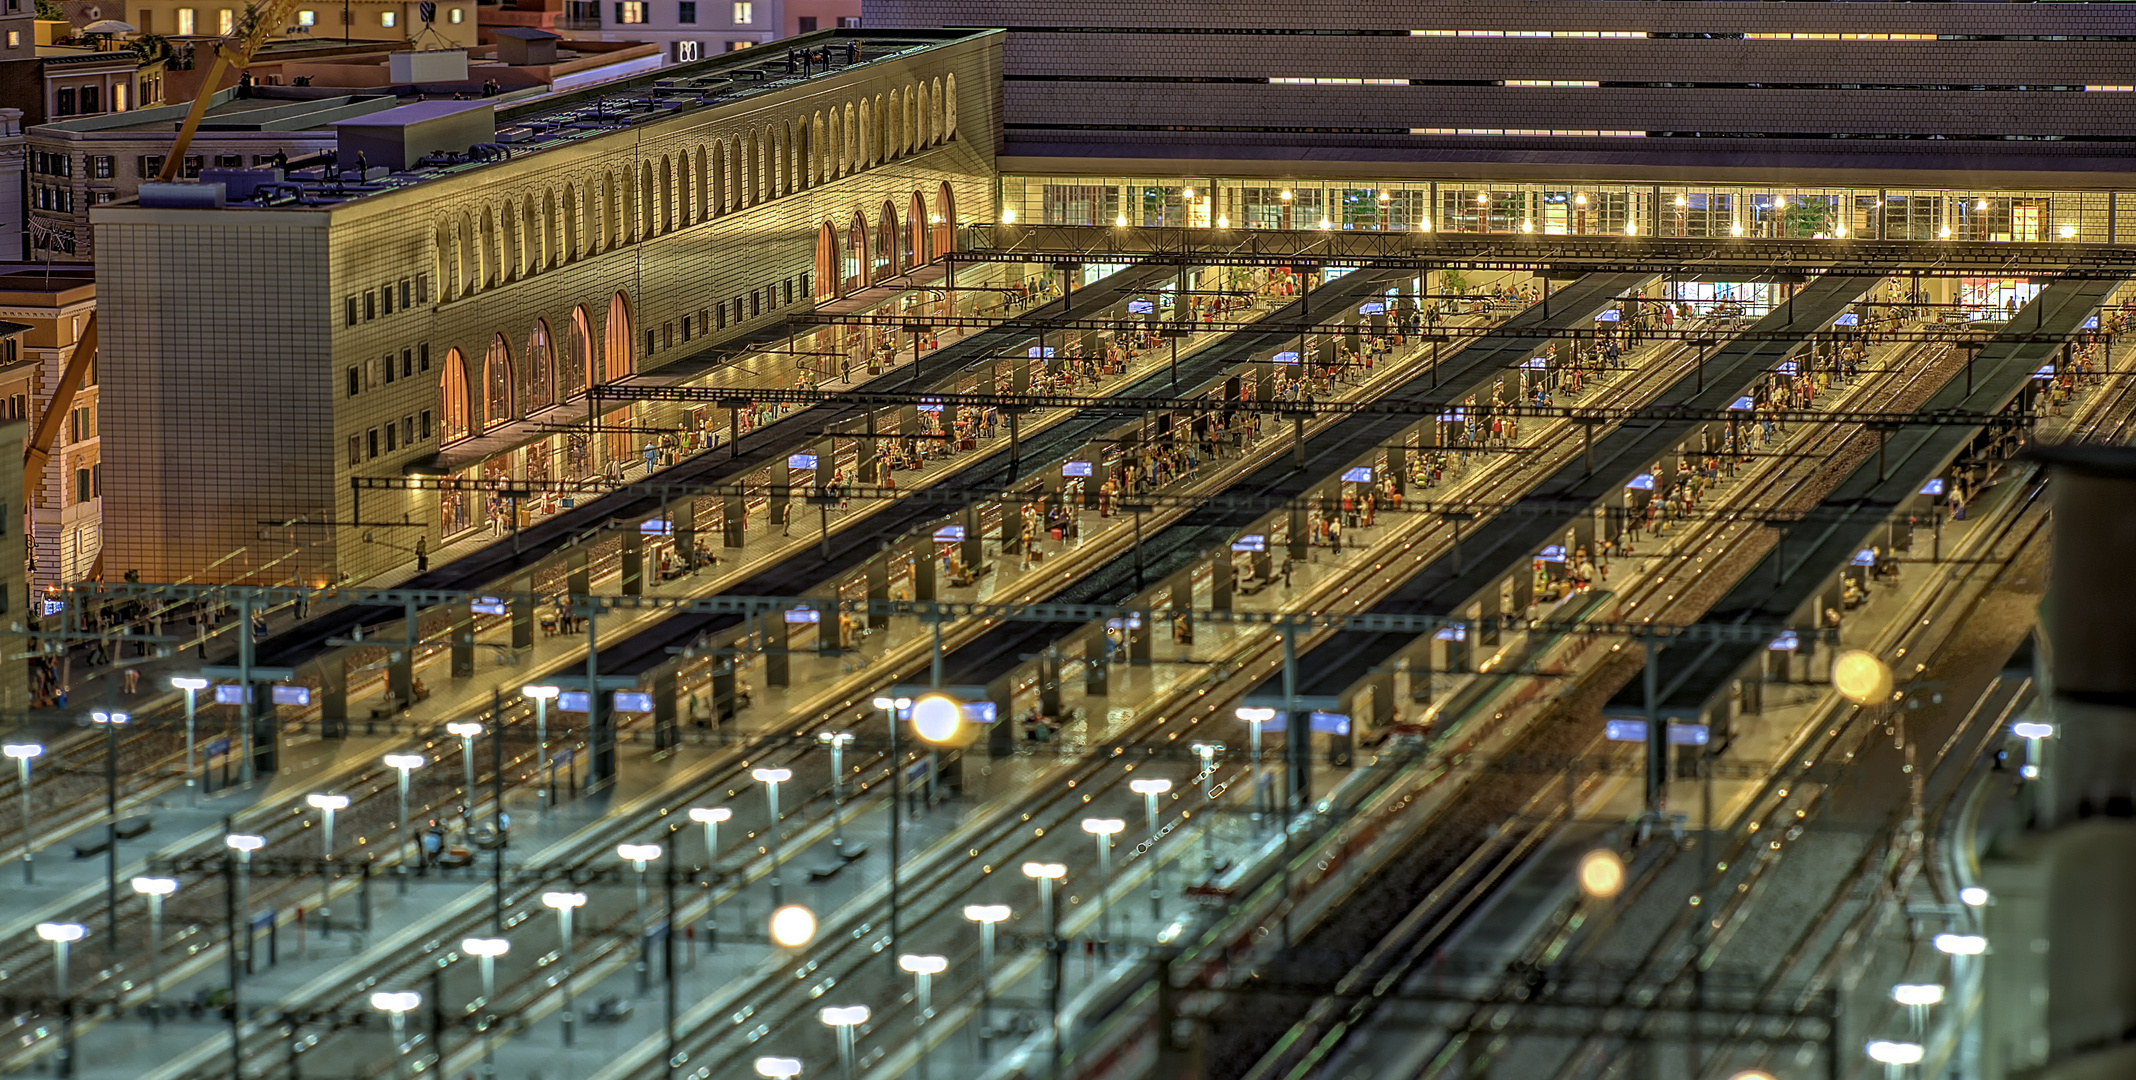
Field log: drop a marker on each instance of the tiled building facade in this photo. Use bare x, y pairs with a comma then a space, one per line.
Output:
256, 360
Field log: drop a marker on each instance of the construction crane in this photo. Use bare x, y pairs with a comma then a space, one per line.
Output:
234, 51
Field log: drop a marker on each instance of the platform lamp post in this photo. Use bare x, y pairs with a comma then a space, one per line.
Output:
638, 855
154, 890
771, 779
986, 915
192, 685
326, 805
245, 844
487, 950
1150, 789
542, 696
564, 903
778, 1068
924, 969
843, 1019
710, 817
63, 936
1103, 830
24, 753
1896, 1056
398, 1006
837, 741
467, 730
890, 707
1207, 752
404, 764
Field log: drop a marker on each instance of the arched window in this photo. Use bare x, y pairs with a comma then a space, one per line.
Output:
552, 230
577, 362
648, 200
497, 383
616, 351
935, 112
886, 244
856, 255
537, 377
949, 107
512, 258
945, 223
826, 279
666, 217
915, 232
492, 249
452, 393
705, 209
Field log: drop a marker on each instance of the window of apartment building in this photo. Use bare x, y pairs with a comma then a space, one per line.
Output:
408, 431
789, 290
848, 22
307, 17
355, 449
391, 432
685, 328
405, 289
744, 12
737, 309
101, 198
101, 166
225, 21
370, 306
737, 46
81, 424
374, 442
803, 289
689, 50
667, 335
350, 303
455, 15
65, 105
722, 309
407, 363
808, 24
629, 12
389, 369
192, 166
92, 100
756, 306
85, 483
422, 357
229, 161
149, 165
385, 300
686, 11
389, 19
652, 340
425, 428
185, 22
355, 381
14, 39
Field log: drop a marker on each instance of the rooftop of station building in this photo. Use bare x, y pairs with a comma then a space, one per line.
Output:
536, 123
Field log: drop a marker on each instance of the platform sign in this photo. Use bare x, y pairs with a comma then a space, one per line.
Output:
1252, 542
1320, 723
1849, 319
486, 605
1787, 367
1041, 353
1535, 363
1636, 731
572, 701
656, 527
1362, 474
1132, 622
291, 695
2090, 324
632, 701
1642, 482
930, 406
1452, 633
1933, 487
975, 712
803, 616
1553, 553
2046, 371
1374, 307
949, 534
1075, 468
1611, 315
1786, 642
800, 461
1141, 307
1285, 358
1453, 416
232, 694
218, 748
1864, 557
1744, 403
54, 607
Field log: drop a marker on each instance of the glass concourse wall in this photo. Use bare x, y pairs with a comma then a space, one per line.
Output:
1572, 208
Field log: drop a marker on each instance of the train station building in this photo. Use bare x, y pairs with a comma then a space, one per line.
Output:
443, 313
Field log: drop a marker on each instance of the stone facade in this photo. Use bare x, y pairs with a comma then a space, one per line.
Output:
259, 359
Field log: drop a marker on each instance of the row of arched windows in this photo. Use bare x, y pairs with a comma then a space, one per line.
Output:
522, 236
512, 384
862, 255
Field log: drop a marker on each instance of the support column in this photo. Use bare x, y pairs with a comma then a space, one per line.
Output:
878, 590
736, 523
1221, 579
266, 729
683, 512
579, 579
633, 562
400, 663
1298, 536
870, 453
334, 696
924, 567
463, 640
522, 611
1097, 673
777, 670
974, 546
665, 733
